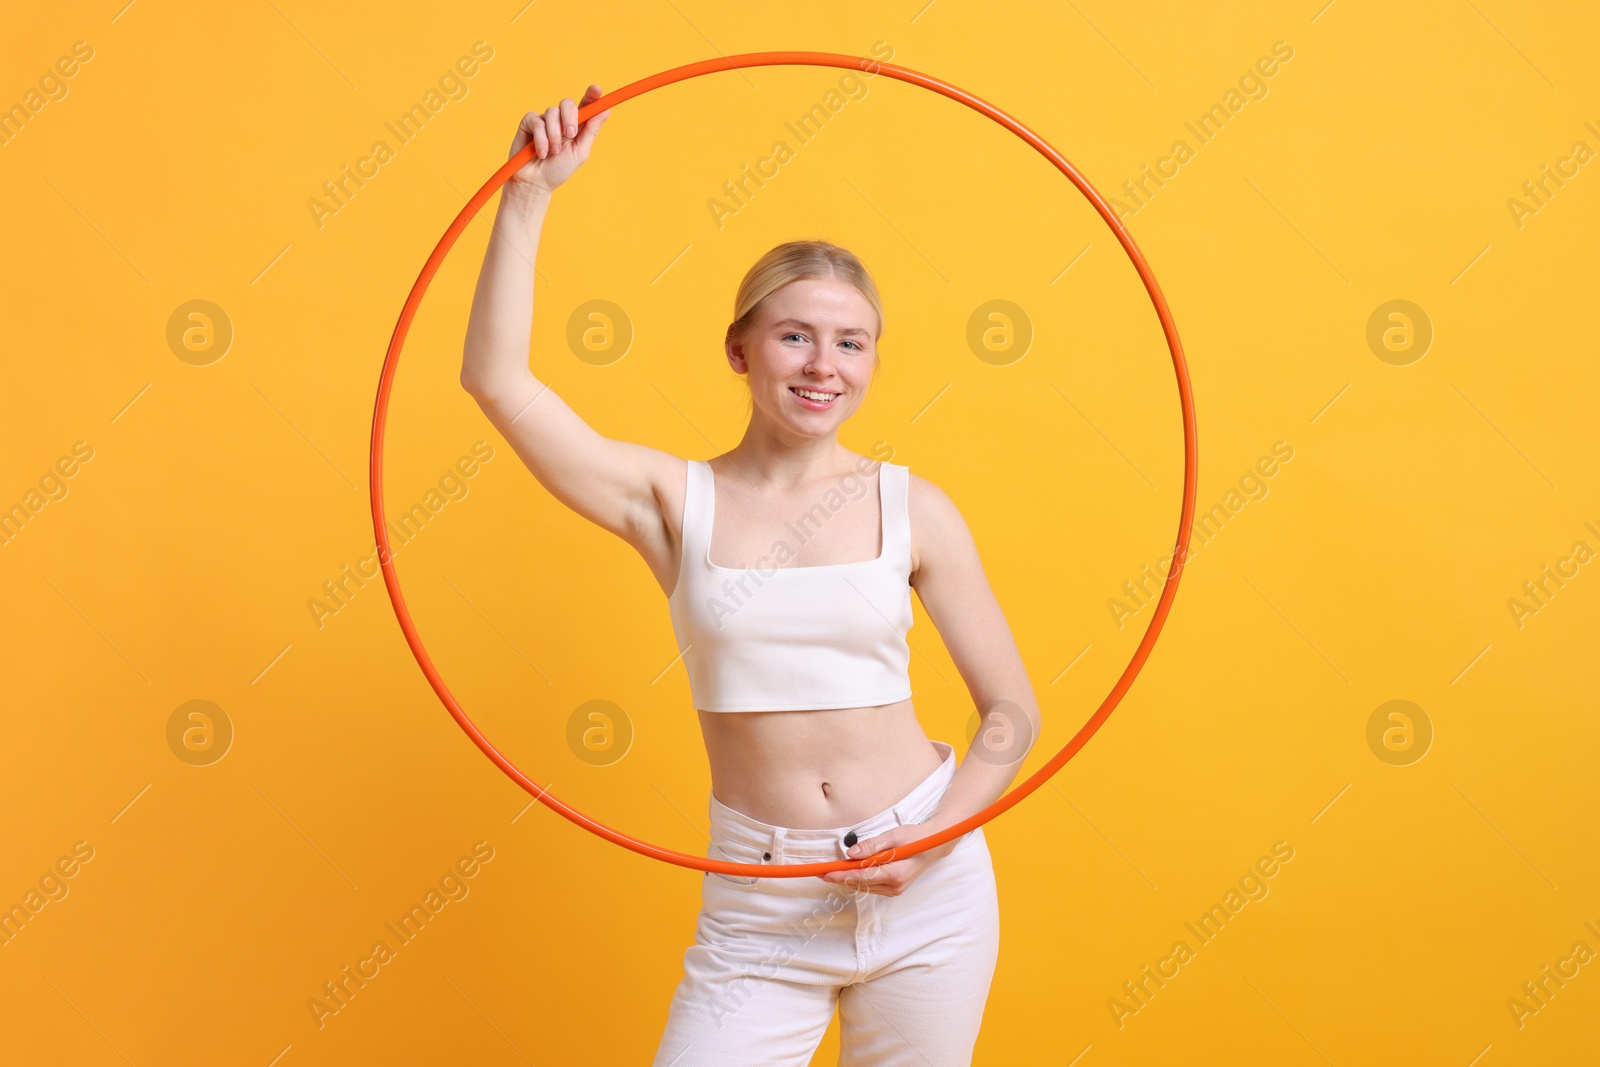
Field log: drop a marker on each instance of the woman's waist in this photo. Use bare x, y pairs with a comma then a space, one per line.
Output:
815, 789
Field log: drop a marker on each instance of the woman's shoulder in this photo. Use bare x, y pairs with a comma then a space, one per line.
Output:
939, 532
930, 507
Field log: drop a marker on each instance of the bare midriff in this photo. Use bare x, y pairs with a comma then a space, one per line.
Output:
816, 770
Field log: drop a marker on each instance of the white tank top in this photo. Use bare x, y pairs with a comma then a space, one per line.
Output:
774, 638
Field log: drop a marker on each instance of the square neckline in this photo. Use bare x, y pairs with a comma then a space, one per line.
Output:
711, 522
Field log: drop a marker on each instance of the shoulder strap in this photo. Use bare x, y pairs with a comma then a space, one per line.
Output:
896, 486
697, 501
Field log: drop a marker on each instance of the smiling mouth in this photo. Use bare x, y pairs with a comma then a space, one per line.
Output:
815, 398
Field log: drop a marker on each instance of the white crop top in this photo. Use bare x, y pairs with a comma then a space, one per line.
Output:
775, 638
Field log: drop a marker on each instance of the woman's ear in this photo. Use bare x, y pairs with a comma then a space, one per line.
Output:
734, 346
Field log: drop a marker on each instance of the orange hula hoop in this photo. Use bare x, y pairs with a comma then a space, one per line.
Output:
1169, 589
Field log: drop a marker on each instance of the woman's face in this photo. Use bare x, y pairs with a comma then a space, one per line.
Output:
815, 336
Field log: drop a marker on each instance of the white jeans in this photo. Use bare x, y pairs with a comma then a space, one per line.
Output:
772, 956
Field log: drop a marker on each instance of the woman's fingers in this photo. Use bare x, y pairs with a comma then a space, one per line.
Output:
590, 129
524, 133
552, 128
890, 882
882, 884
531, 131
558, 125
590, 95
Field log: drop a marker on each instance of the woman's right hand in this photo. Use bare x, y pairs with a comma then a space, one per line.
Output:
559, 145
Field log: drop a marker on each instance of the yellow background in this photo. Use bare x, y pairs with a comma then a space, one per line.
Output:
1378, 567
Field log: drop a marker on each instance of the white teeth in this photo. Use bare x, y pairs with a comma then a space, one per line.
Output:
810, 395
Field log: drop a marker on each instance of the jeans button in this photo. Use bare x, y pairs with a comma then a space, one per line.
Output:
850, 839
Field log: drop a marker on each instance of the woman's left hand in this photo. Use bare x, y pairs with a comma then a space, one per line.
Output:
892, 878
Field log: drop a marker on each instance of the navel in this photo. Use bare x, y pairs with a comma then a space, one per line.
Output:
825, 789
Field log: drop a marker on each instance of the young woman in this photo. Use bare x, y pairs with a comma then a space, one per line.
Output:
788, 563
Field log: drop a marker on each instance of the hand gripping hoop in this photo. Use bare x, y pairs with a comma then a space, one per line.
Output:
1157, 618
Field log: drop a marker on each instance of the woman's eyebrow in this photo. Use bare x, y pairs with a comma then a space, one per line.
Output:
808, 326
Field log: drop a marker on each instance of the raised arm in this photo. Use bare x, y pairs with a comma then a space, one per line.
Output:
614, 484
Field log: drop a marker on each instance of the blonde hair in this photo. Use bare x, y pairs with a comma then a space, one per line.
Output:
793, 261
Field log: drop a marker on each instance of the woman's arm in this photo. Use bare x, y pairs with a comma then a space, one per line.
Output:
494, 358
614, 484
953, 588
950, 582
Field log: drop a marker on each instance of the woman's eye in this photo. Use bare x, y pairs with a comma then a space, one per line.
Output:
856, 345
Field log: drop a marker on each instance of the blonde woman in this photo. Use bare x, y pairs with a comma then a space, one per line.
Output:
788, 564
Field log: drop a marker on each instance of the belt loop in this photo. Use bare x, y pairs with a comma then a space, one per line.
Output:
900, 811
778, 837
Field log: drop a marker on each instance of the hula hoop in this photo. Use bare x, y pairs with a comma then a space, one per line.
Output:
798, 870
